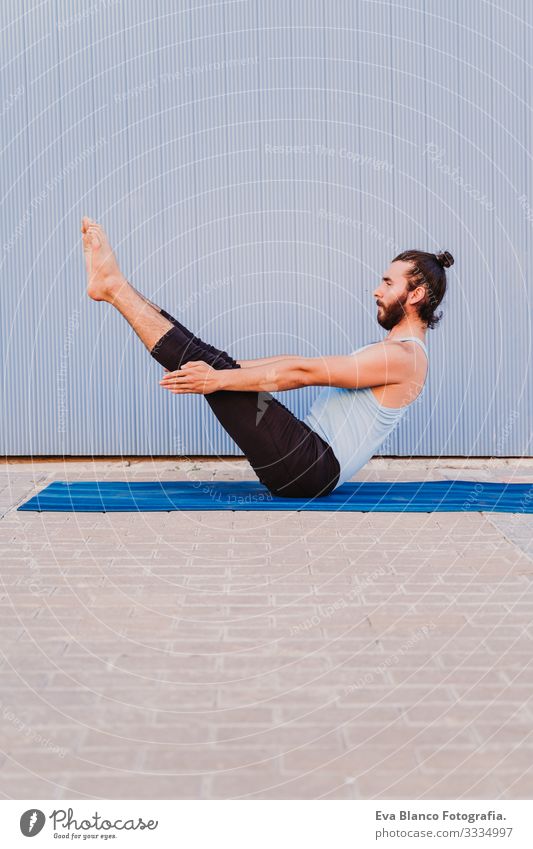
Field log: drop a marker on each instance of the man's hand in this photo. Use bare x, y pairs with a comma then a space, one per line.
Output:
194, 376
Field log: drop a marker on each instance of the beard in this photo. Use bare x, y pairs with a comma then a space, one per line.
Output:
391, 315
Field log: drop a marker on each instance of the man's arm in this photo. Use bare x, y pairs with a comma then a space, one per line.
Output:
379, 365
278, 374
263, 361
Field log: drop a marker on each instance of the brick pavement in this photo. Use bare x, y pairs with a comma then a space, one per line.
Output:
264, 655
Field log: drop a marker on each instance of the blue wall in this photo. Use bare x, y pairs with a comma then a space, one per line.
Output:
257, 166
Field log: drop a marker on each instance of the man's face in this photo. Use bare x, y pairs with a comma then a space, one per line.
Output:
391, 295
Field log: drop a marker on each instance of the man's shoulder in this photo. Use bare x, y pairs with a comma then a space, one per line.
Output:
398, 347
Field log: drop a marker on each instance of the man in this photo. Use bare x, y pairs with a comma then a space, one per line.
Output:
367, 391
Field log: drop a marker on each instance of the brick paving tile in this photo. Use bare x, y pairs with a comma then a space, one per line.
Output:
25, 785
481, 760
138, 786
353, 762
520, 787
260, 785
356, 734
414, 785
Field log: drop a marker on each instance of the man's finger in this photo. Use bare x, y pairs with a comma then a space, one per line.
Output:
172, 379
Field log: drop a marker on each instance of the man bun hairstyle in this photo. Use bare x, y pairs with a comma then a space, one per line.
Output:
445, 259
427, 270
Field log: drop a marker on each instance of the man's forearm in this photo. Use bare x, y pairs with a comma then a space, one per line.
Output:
263, 361
285, 373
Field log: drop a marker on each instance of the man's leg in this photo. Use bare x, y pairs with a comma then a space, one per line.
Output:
275, 442
107, 283
168, 341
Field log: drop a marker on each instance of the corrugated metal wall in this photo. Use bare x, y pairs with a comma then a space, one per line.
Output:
257, 166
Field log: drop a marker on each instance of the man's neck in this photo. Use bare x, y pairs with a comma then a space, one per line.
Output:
406, 328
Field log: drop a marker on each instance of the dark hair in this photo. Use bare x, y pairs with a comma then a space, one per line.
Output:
427, 270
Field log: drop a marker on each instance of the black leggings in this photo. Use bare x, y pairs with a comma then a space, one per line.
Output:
288, 457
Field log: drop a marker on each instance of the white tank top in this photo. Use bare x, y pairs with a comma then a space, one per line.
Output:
353, 421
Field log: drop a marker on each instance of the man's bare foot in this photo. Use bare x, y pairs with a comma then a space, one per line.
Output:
103, 273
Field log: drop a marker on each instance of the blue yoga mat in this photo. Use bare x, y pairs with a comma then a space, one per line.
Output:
376, 497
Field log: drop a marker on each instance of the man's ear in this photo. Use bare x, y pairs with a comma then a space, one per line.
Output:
417, 295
